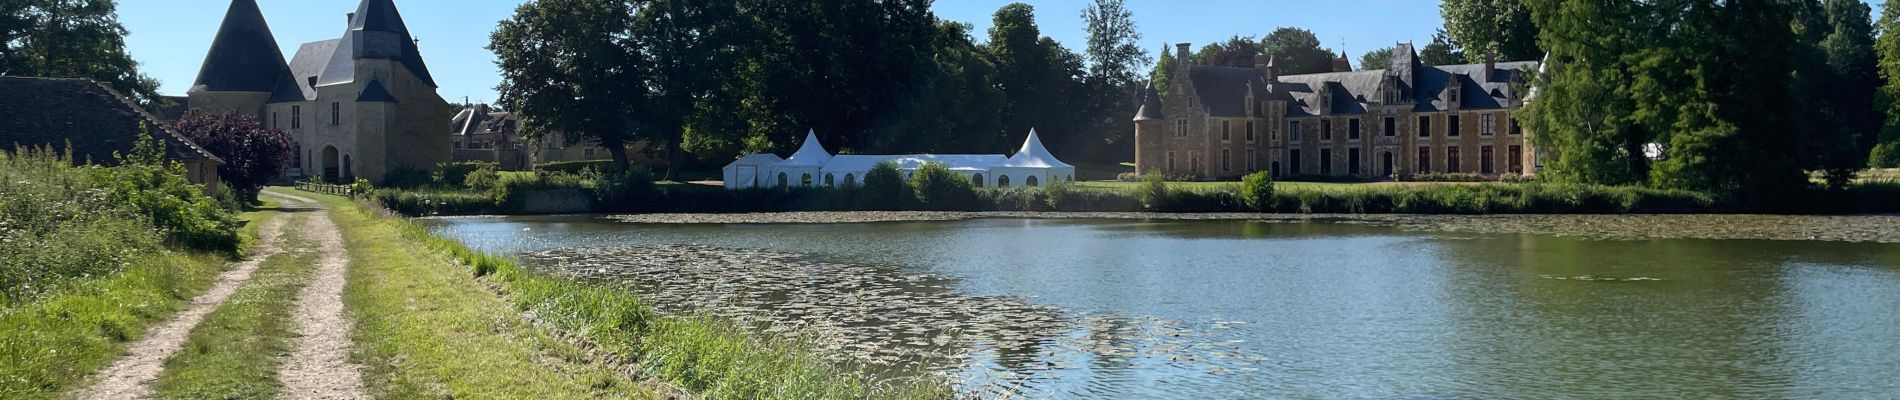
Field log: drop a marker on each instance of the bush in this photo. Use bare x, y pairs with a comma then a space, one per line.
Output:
884, 188
407, 178
625, 191
1256, 191
1886, 155
511, 189
253, 155
937, 188
456, 173
483, 179
433, 202
1153, 192
575, 167
1448, 177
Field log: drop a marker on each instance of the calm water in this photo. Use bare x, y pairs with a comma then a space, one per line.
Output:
1326, 310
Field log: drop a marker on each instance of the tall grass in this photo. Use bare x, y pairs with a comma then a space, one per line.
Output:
708, 357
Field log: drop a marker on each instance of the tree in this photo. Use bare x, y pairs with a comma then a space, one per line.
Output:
1376, 59
1503, 26
1113, 52
1581, 113
1296, 51
564, 68
1442, 51
1843, 134
683, 46
71, 39
252, 154
1237, 51
1886, 153
1164, 70
1038, 78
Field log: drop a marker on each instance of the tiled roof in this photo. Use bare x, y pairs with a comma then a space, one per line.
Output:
96, 120
244, 56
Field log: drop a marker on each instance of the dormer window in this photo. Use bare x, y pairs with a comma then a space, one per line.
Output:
1454, 95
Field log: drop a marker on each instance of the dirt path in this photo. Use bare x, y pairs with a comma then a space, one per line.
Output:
132, 375
319, 368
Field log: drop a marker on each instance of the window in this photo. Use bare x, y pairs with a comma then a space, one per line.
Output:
1030, 181
976, 180
1226, 131
1515, 128
1352, 129
336, 113
1250, 134
1180, 127
1391, 127
1424, 160
1252, 165
1454, 95
851, 180
296, 155
273, 120
1002, 181
1385, 163
1194, 162
1226, 163
1276, 169
1170, 167
1451, 160
1516, 159
1326, 130
1293, 159
1425, 126
831, 180
1487, 124
296, 117
805, 180
1325, 161
1451, 127
1352, 161
1485, 164
588, 152
1293, 131
781, 180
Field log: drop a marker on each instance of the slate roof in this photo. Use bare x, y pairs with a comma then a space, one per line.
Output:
1150, 105
1223, 91
95, 119
305, 67
375, 92
244, 57
481, 119
376, 32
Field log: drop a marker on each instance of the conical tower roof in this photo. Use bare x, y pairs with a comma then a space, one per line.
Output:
376, 31
811, 153
244, 57
1150, 105
1033, 155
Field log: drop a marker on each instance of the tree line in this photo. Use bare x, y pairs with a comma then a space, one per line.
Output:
713, 80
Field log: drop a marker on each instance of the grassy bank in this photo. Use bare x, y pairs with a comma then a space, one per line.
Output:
90, 257
419, 300
234, 353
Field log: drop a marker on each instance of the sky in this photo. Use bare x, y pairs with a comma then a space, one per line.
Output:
169, 38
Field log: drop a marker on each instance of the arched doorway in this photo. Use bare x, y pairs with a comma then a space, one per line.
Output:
1030, 182
1002, 181
850, 180
1276, 169
782, 180
831, 180
332, 164
1385, 163
977, 180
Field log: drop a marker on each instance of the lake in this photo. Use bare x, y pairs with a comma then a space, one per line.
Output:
1239, 309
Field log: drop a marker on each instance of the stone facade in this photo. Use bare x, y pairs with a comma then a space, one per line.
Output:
358, 106
1225, 122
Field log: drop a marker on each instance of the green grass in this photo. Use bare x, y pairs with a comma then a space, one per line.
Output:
419, 320
1276, 185
235, 352
426, 328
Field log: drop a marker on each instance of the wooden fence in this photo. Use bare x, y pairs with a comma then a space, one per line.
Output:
340, 190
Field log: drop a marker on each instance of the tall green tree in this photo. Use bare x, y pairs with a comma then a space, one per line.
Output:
1237, 51
1443, 50
565, 67
1296, 51
1376, 59
685, 47
1581, 110
1037, 75
1113, 51
1503, 26
1842, 132
1164, 70
1736, 142
71, 39
1886, 153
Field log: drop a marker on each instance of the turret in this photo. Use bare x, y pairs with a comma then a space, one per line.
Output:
1264, 63
243, 67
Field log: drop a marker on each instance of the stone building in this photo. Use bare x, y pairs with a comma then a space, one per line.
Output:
482, 133
93, 123
356, 106
1225, 122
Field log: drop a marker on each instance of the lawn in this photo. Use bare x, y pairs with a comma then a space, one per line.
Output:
1293, 186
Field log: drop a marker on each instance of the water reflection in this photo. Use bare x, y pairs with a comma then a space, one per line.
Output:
1225, 309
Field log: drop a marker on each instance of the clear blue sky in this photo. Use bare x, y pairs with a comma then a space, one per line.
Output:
170, 37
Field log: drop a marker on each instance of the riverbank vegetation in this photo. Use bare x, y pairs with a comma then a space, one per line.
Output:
420, 290
90, 256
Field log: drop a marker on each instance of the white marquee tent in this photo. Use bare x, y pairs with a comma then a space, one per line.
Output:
813, 166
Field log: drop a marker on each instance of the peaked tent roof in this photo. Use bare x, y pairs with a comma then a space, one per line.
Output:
810, 154
376, 23
244, 57
1033, 155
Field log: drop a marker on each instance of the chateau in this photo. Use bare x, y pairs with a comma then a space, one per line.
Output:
1409, 118
356, 106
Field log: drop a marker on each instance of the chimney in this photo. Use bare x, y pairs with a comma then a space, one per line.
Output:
1490, 64
1264, 63
349, 19
1182, 55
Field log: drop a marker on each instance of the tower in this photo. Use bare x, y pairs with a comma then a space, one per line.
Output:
1151, 126
244, 66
